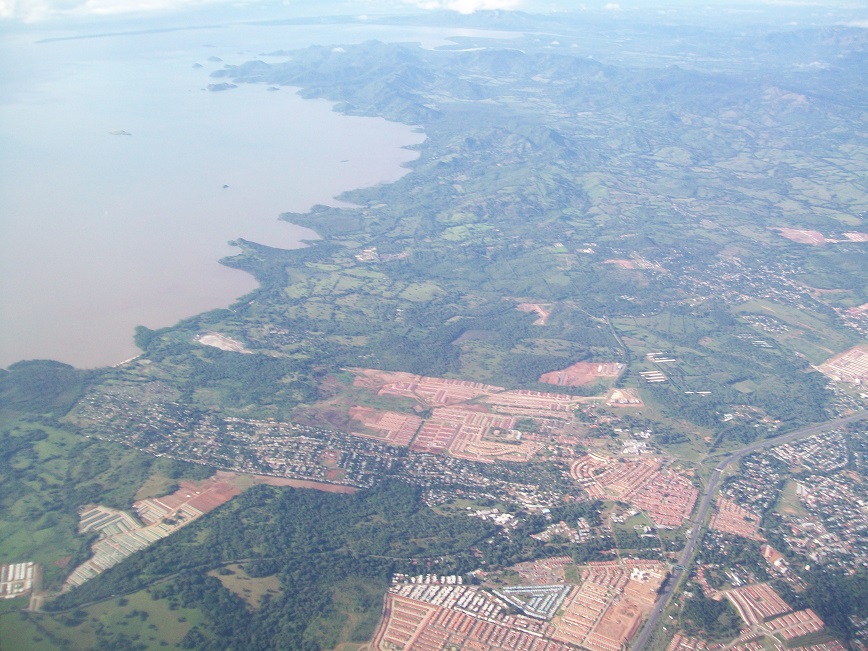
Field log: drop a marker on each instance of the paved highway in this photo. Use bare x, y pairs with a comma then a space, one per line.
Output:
641, 641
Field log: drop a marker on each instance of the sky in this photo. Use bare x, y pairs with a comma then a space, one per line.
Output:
30, 11
35, 10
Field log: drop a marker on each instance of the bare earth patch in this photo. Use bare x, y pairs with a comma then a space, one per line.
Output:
582, 374
216, 340
624, 398
814, 238
544, 311
202, 496
468, 420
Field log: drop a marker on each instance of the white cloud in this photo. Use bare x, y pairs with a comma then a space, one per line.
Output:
35, 10
465, 6
612, 6
24, 9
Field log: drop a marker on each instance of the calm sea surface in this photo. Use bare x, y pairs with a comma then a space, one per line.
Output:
102, 232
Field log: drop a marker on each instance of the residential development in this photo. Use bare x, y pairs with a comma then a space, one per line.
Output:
729, 517
607, 608
850, 366
816, 496
665, 494
16, 579
602, 613
121, 534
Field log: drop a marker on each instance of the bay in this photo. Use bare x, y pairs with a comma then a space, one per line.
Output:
101, 231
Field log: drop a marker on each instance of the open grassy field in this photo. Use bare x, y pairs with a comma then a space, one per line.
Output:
156, 485
50, 473
47, 473
351, 646
630, 524
252, 590
481, 360
789, 503
810, 335
460, 505
11, 605
116, 623
19, 631
351, 615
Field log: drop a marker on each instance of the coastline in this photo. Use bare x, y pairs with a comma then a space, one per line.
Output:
86, 282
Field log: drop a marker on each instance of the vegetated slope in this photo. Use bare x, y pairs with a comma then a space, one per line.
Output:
637, 201
540, 167
315, 543
49, 472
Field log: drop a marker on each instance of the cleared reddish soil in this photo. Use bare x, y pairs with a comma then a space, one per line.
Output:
624, 264
302, 483
582, 374
204, 495
814, 238
542, 311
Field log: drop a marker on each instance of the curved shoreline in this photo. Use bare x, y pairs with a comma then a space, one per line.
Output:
146, 254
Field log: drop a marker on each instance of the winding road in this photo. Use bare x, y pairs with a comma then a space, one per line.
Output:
640, 643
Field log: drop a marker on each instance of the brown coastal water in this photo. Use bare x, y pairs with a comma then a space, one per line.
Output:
100, 232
